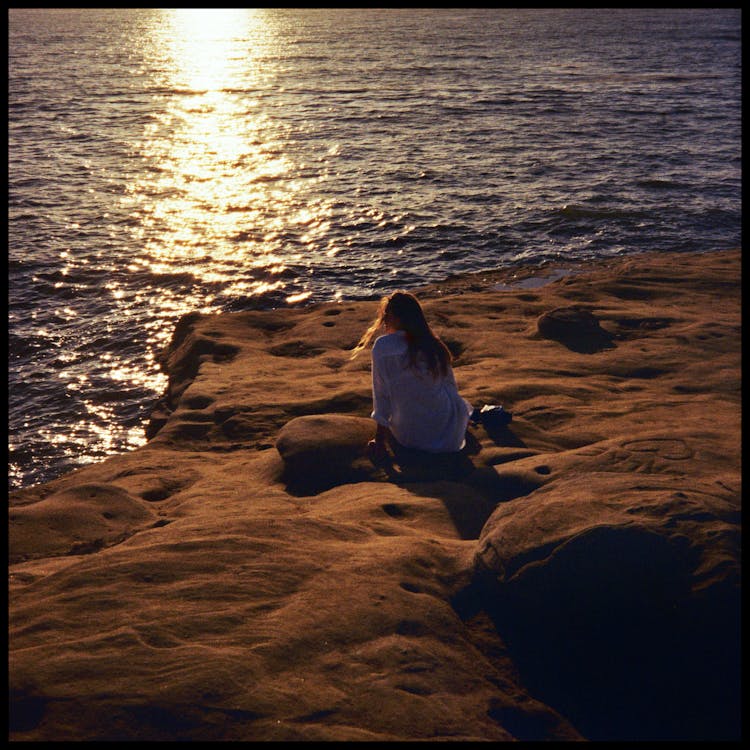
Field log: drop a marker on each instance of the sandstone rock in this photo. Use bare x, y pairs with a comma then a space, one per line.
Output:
326, 449
609, 524
598, 596
79, 520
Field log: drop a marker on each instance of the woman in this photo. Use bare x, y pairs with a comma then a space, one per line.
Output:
416, 403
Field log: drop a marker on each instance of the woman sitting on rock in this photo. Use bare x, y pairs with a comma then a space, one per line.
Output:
416, 403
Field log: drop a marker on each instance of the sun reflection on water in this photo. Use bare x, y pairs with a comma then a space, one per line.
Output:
220, 195
217, 204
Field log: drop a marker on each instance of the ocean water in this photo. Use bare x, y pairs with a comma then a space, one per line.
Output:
165, 161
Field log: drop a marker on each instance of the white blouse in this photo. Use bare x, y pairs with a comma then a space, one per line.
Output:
421, 411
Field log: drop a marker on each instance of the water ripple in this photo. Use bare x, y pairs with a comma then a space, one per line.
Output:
159, 165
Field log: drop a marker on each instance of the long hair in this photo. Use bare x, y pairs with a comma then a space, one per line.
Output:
420, 339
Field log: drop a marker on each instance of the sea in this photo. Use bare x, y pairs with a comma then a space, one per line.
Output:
164, 161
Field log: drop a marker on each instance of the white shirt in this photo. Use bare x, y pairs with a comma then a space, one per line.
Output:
421, 411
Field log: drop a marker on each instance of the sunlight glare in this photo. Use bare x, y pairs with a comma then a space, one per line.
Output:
220, 200
204, 40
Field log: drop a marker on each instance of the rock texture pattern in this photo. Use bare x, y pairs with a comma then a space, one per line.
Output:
249, 575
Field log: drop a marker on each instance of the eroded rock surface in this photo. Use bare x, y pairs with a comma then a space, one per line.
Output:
248, 575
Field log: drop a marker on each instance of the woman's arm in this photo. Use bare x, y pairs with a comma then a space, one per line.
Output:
381, 396
381, 409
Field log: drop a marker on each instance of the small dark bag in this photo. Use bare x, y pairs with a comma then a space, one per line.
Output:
491, 417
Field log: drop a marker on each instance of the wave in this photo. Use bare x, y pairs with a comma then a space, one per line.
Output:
577, 211
646, 77
176, 91
456, 158
658, 183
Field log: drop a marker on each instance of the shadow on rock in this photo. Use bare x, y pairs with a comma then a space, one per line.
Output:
469, 492
450, 479
576, 328
607, 631
304, 481
324, 451
504, 436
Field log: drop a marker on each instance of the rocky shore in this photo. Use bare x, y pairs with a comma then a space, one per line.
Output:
249, 575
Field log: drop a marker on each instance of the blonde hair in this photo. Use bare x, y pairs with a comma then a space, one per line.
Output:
407, 311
